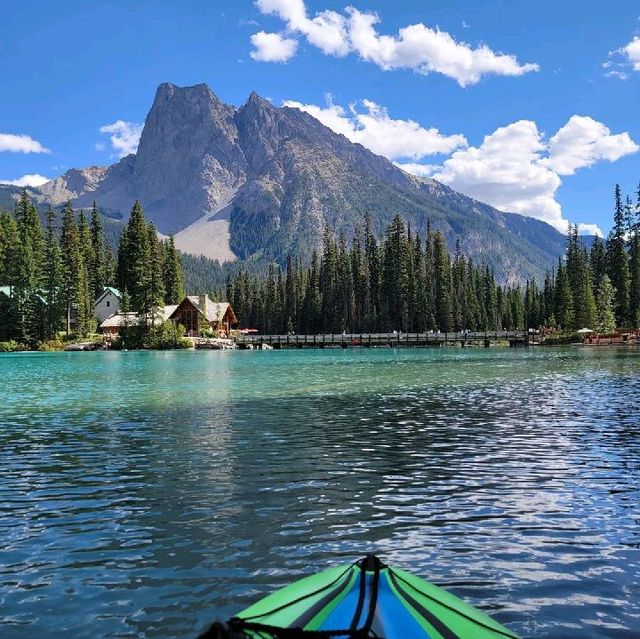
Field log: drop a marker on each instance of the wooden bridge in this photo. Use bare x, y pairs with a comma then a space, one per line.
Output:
367, 340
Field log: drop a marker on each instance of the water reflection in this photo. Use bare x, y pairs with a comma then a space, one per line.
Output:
145, 492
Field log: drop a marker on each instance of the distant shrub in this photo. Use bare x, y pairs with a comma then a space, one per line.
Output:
52, 345
167, 336
9, 347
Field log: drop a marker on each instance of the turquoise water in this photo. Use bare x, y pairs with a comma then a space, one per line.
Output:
144, 494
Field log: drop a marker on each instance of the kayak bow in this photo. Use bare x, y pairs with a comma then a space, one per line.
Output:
364, 599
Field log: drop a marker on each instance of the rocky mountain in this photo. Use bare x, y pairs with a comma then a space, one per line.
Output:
258, 182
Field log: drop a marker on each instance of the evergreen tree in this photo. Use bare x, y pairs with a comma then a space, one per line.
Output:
53, 278
563, 302
153, 296
29, 272
634, 265
618, 261
99, 275
442, 283
86, 298
9, 276
73, 272
606, 319
172, 273
134, 257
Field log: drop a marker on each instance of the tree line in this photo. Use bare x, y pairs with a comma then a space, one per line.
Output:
52, 274
410, 284
400, 283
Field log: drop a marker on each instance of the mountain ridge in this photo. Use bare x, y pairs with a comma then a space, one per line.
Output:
260, 181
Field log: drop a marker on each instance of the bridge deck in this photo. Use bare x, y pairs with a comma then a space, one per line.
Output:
345, 340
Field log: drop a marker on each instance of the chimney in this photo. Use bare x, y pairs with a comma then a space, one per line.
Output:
202, 303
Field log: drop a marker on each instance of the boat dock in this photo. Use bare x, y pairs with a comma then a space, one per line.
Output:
368, 340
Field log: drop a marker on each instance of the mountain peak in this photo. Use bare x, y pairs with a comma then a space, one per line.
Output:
261, 182
167, 92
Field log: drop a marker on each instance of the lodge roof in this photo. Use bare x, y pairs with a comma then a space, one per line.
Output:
109, 289
213, 311
120, 319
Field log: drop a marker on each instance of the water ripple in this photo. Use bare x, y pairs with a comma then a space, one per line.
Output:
143, 494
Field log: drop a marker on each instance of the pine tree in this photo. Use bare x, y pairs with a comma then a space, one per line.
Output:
73, 272
99, 269
634, 265
29, 272
563, 302
395, 276
172, 273
53, 277
86, 297
606, 319
154, 294
9, 248
372, 261
134, 258
442, 283
618, 261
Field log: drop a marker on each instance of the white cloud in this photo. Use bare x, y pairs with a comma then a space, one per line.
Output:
416, 46
618, 75
506, 170
27, 180
375, 129
20, 144
590, 229
623, 59
516, 169
124, 137
327, 30
582, 141
272, 47
417, 168
427, 50
632, 52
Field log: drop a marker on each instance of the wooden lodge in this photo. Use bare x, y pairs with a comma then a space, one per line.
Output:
197, 313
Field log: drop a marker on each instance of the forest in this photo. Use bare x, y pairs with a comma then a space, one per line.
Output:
51, 276
407, 283
52, 273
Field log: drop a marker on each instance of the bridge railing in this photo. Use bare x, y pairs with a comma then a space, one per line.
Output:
385, 338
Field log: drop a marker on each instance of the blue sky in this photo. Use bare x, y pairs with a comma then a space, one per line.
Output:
532, 107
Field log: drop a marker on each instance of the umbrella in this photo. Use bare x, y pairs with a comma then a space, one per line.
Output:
360, 600
583, 331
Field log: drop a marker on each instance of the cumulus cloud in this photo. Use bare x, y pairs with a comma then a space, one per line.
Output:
27, 180
124, 137
272, 47
417, 168
622, 60
373, 127
428, 50
582, 141
632, 52
20, 144
590, 229
516, 169
328, 30
416, 46
507, 171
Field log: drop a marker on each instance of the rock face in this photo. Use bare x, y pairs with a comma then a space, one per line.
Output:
260, 182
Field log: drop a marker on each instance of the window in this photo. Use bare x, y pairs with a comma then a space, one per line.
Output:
108, 303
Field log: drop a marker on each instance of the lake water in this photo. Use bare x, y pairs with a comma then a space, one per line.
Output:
144, 494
